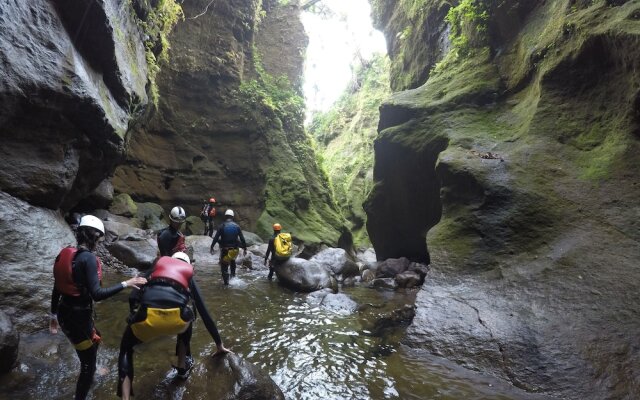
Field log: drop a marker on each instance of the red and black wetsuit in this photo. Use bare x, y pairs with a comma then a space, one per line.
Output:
170, 286
72, 300
170, 240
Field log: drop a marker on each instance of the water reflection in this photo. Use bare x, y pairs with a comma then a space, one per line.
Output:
309, 351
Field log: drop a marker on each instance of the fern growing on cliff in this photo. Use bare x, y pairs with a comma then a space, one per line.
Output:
468, 22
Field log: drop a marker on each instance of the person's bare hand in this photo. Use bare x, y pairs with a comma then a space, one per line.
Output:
136, 282
53, 326
221, 350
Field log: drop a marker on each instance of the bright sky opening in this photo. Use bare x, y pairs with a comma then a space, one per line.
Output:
334, 43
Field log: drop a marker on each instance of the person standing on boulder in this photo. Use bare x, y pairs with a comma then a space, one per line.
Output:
279, 248
208, 215
163, 309
78, 275
170, 239
231, 239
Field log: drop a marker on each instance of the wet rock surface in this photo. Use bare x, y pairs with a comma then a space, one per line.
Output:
338, 261
66, 105
305, 276
31, 239
9, 342
531, 234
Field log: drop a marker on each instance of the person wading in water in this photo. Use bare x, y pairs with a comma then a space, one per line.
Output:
231, 238
163, 309
78, 274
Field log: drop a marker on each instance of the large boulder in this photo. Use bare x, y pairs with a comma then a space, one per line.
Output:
72, 75
137, 252
337, 261
28, 252
9, 341
391, 267
233, 377
304, 276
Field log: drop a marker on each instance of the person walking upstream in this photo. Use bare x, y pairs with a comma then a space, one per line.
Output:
208, 215
230, 237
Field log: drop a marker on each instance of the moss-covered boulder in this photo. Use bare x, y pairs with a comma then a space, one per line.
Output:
123, 205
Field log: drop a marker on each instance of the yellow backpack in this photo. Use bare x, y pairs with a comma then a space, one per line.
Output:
283, 246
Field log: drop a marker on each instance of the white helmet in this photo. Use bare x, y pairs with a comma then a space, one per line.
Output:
228, 213
181, 256
177, 214
94, 222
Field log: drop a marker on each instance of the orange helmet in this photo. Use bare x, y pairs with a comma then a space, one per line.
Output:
277, 227
212, 200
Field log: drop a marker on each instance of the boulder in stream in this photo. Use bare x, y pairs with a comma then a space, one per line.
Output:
304, 276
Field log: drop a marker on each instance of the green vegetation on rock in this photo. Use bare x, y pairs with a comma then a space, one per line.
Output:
468, 24
297, 192
345, 135
156, 24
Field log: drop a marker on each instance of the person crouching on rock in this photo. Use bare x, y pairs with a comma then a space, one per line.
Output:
164, 310
78, 275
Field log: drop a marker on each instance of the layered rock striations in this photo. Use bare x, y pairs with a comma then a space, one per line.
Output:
229, 123
516, 162
71, 72
72, 76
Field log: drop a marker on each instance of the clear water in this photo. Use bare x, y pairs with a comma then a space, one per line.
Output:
309, 351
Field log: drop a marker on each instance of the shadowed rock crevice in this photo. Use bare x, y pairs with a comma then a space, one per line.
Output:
408, 190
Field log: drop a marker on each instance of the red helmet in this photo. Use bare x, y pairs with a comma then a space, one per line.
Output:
277, 227
212, 200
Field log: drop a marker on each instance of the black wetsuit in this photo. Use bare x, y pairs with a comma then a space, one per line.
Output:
165, 296
170, 240
230, 237
208, 219
75, 315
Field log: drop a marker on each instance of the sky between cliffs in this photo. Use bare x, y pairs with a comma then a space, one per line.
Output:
334, 42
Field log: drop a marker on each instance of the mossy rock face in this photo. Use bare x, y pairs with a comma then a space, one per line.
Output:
345, 137
151, 216
229, 123
123, 205
521, 158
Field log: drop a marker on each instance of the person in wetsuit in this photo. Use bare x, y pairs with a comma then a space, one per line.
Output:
208, 215
77, 273
231, 239
271, 251
163, 309
170, 239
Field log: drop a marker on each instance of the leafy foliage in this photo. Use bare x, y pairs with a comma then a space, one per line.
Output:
274, 93
156, 25
468, 21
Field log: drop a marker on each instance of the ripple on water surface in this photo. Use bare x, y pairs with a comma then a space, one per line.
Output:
309, 351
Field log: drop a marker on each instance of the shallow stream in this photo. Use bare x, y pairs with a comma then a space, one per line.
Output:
311, 352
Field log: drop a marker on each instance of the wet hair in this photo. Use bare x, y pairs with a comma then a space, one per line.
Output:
88, 237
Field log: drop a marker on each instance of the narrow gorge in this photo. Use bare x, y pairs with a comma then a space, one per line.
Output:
465, 214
